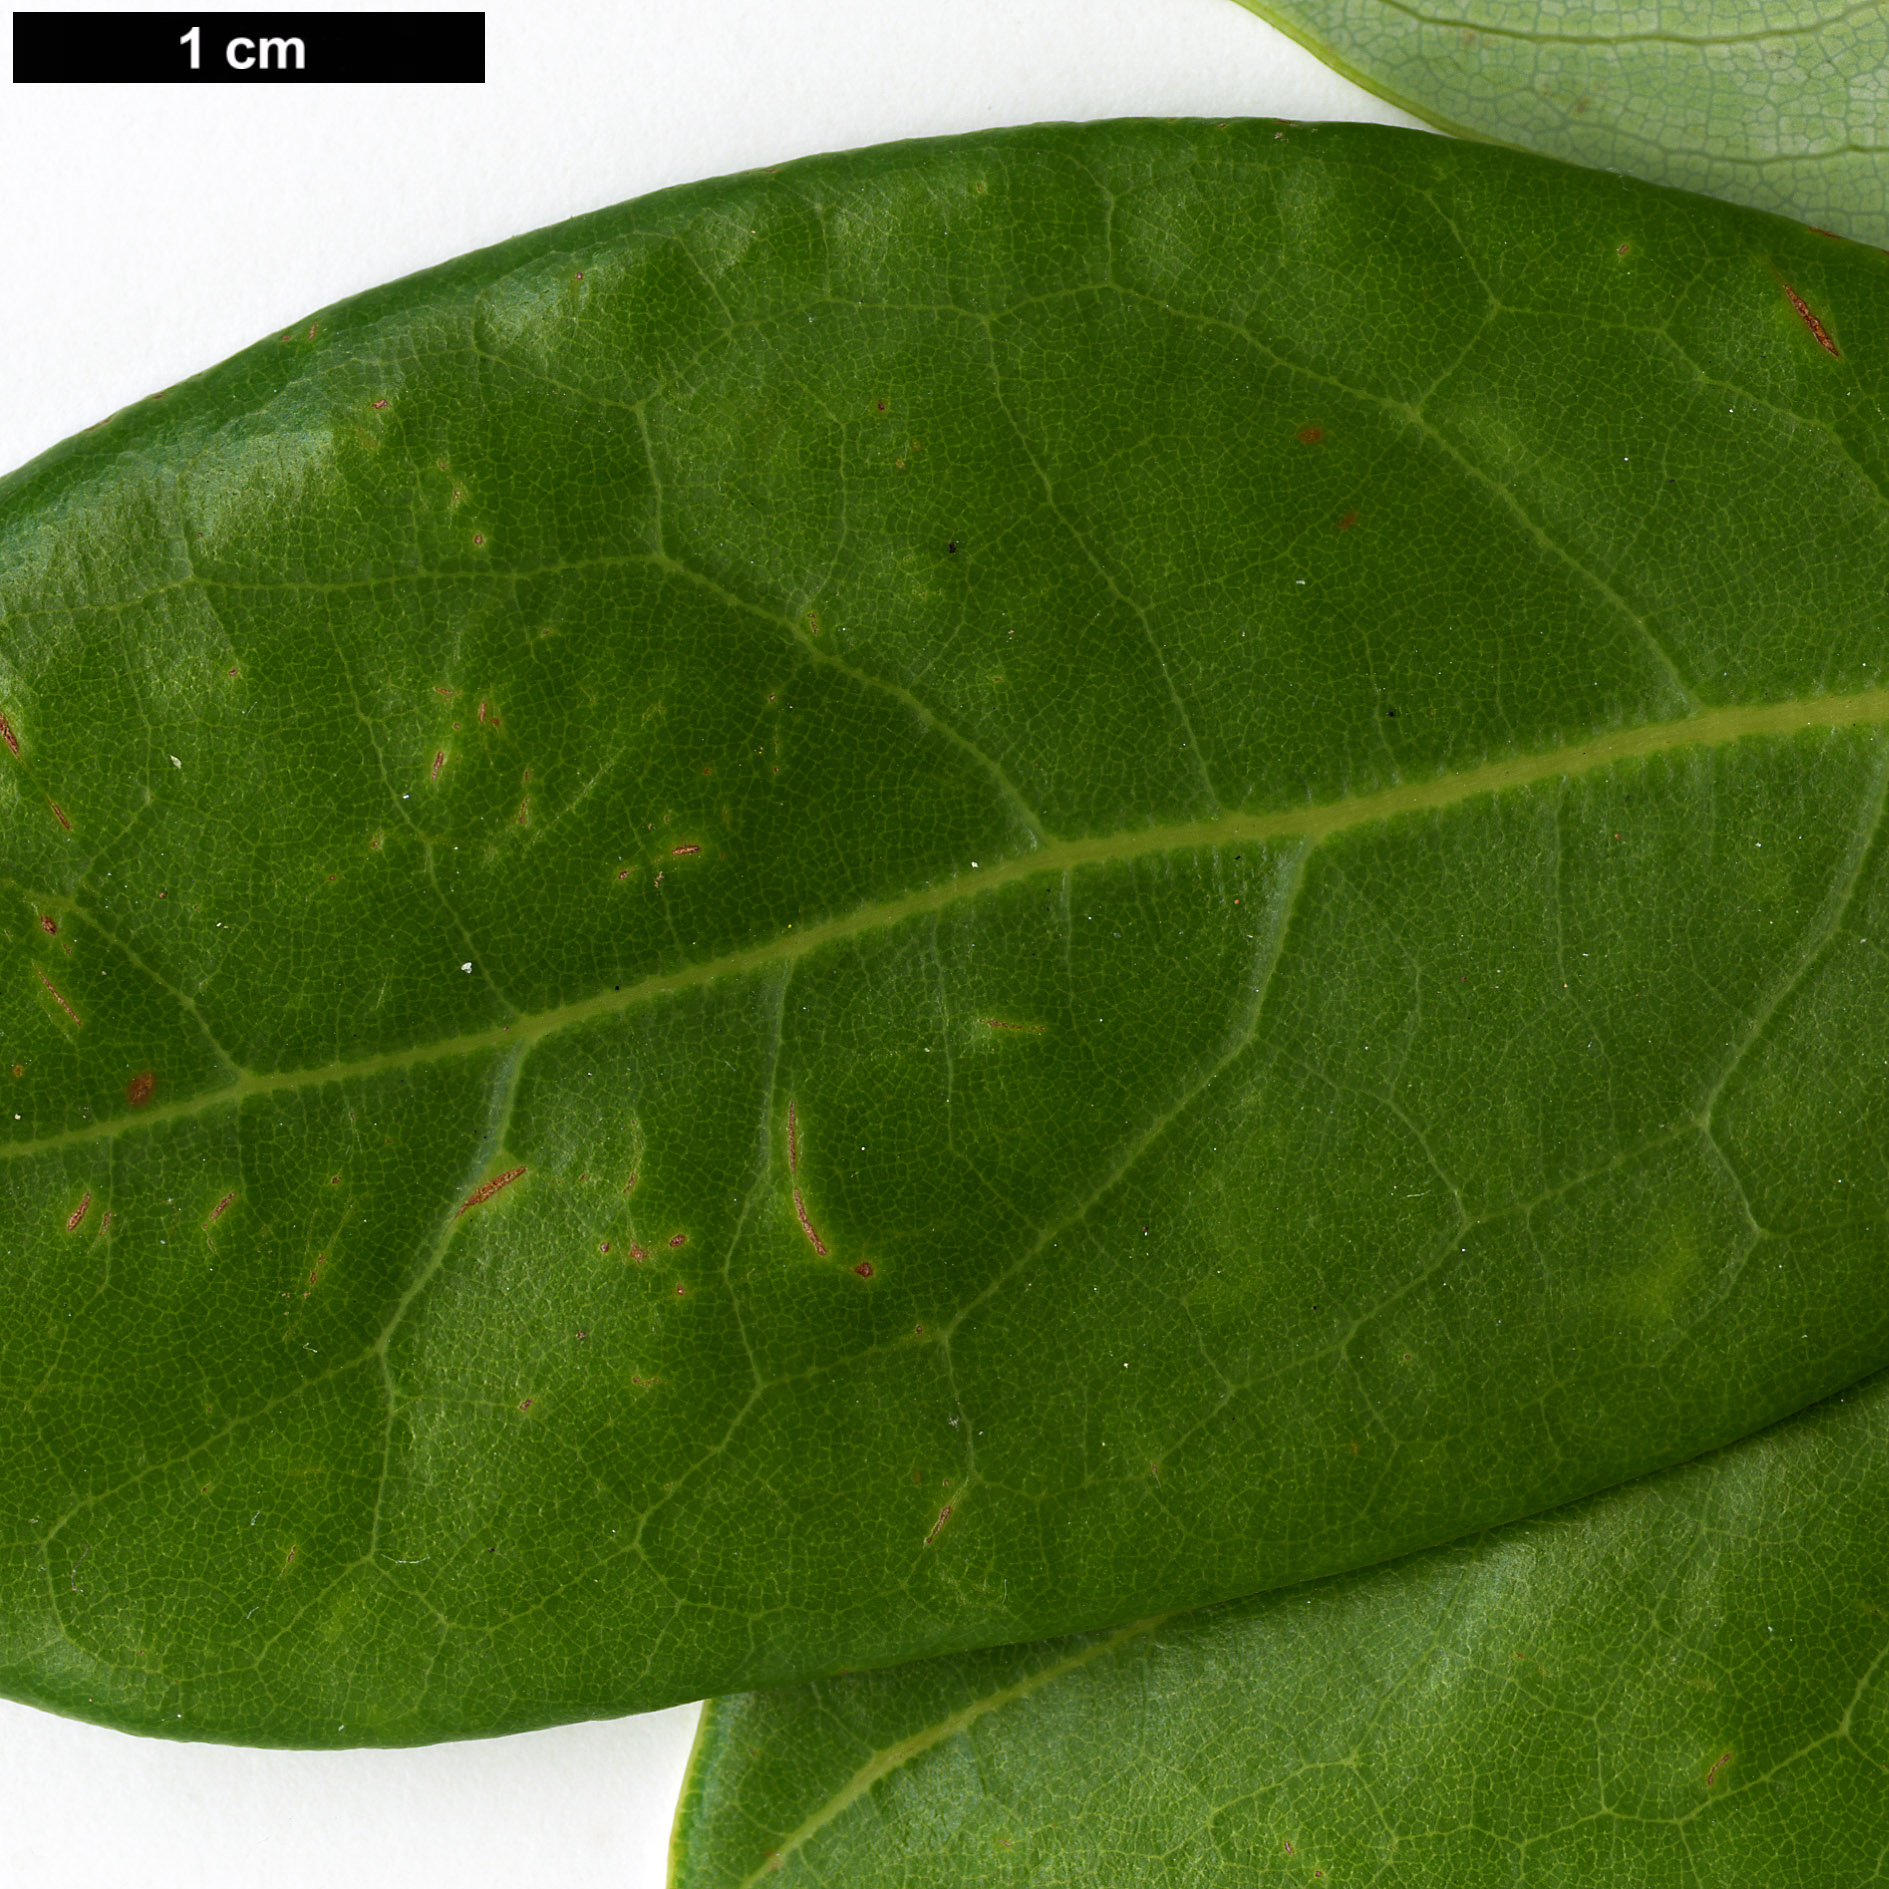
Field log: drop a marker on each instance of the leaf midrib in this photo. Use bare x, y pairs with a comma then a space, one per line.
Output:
893, 1757
1312, 824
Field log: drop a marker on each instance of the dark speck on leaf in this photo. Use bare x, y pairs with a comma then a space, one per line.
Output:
952, 546
140, 1088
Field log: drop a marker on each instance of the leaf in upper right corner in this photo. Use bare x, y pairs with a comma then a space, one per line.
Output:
1784, 107
1682, 1681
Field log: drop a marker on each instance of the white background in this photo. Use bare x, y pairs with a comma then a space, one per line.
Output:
145, 233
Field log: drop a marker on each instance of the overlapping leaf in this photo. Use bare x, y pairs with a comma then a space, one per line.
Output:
1686, 1681
941, 898
1785, 107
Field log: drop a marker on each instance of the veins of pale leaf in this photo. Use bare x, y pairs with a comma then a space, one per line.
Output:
1284, 902
504, 1092
817, 211
241, 1421
126, 827
796, 631
1827, 925
1758, 1228
1581, 569
812, 587
1081, 541
943, 1001
490, 1144
182, 999
479, 350
1535, 36
1815, 423
1557, 909
1550, 1362
536, 834
1392, 772
1414, 1666
1487, 481
428, 846
655, 477
763, 1181
893, 1757
708, 1452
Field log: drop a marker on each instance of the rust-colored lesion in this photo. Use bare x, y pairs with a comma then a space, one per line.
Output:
77, 1020
1809, 319
78, 1213
793, 1174
480, 1195
8, 736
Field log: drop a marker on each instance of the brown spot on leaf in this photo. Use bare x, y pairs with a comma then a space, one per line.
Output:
59, 1000
806, 1225
480, 1195
78, 1213
1810, 321
8, 736
48, 924
1311, 435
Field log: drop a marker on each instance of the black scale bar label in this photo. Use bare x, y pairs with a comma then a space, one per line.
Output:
248, 48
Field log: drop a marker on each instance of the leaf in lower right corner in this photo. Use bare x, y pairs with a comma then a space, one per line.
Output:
1683, 1681
1785, 108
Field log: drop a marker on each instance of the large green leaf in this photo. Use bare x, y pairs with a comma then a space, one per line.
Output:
945, 897
1684, 1682
1785, 107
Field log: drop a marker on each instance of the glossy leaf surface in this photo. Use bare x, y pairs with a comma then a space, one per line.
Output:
1685, 1681
946, 897
1785, 107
